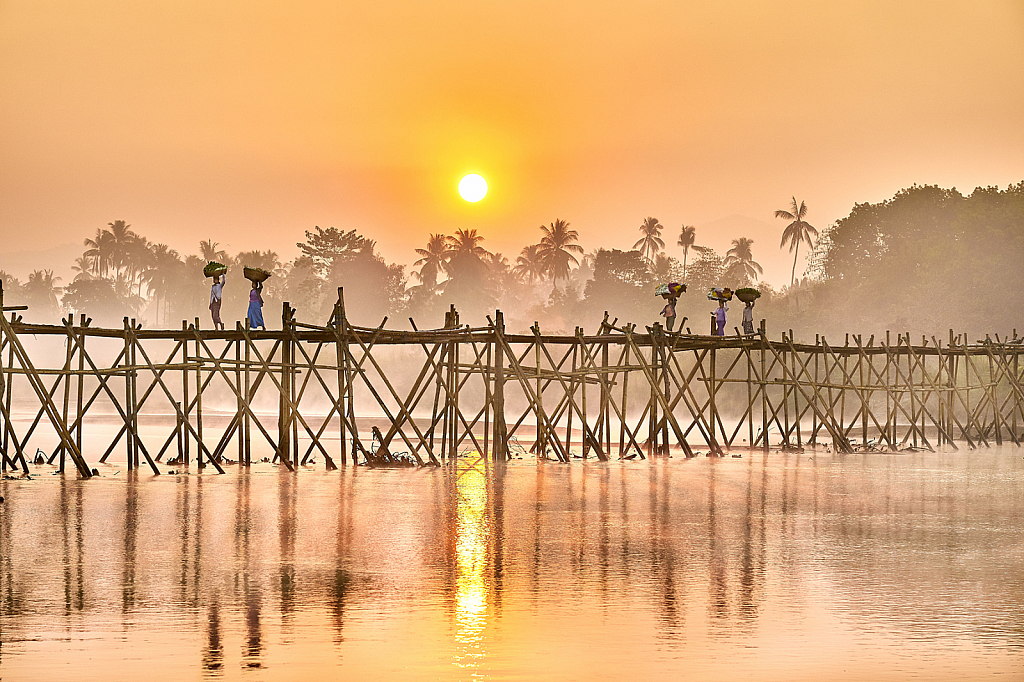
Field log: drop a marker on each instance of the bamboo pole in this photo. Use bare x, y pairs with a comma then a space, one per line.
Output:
69, 357
284, 402
79, 410
500, 437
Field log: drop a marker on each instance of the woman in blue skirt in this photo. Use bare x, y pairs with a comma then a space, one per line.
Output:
255, 314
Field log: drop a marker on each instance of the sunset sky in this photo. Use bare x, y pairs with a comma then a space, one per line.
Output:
249, 122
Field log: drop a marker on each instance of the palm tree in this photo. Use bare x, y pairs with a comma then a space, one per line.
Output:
139, 259
651, 243
83, 266
433, 261
41, 289
99, 251
528, 267
114, 248
741, 258
796, 232
556, 249
122, 242
163, 268
11, 284
208, 251
497, 263
687, 238
466, 242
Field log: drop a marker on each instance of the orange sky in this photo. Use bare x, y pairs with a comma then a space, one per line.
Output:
250, 121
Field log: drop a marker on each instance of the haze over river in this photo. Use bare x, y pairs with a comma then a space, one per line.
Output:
810, 566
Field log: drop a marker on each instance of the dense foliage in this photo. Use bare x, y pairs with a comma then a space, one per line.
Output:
925, 260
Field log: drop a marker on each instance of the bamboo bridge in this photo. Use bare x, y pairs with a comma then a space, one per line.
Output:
382, 397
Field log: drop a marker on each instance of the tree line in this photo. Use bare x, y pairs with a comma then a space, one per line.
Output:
122, 273
927, 259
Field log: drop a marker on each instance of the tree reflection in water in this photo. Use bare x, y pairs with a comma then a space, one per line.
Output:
528, 570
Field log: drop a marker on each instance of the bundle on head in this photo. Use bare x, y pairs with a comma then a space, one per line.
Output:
255, 274
748, 294
213, 269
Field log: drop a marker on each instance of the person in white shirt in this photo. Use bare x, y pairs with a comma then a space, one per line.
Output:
216, 296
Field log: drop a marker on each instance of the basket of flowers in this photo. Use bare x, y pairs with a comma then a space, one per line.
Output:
748, 294
672, 289
720, 295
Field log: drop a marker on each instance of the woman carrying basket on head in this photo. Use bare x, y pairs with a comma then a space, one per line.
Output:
748, 317
720, 312
669, 313
255, 313
718, 316
670, 292
216, 297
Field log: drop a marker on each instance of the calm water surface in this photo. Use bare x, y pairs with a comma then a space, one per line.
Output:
780, 567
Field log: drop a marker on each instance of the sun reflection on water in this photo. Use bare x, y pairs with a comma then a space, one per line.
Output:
472, 590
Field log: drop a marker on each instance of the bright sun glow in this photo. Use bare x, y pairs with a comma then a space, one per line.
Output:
473, 187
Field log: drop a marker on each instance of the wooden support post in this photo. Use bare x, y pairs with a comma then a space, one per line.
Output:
129, 435
578, 348
652, 398
284, 404
239, 407
625, 401
605, 416
199, 400
488, 367
500, 438
542, 444
453, 392
184, 396
69, 357
339, 324
136, 436
713, 394
764, 390
7, 377
79, 403
750, 396
246, 422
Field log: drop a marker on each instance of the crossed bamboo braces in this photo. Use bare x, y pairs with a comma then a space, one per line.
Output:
481, 389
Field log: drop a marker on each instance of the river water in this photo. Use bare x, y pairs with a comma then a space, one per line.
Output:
783, 566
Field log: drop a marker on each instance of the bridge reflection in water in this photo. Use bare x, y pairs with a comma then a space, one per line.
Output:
782, 565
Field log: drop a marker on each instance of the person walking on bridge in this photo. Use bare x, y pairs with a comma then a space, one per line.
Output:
255, 314
669, 312
748, 318
723, 308
216, 298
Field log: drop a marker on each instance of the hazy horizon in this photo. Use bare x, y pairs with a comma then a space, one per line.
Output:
716, 234
248, 125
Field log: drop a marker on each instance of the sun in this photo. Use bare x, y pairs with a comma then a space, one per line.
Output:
473, 188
